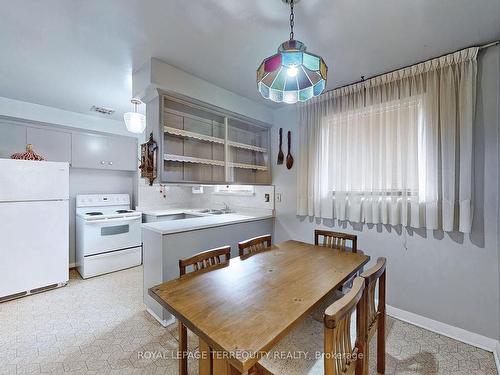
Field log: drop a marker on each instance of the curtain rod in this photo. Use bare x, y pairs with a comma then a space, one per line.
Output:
363, 79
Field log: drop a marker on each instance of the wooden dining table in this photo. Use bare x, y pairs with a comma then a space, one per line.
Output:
240, 311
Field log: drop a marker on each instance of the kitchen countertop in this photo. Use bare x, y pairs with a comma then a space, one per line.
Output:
206, 221
173, 211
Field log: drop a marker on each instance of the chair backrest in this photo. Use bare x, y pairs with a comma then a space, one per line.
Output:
341, 355
374, 312
206, 260
254, 245
335, 240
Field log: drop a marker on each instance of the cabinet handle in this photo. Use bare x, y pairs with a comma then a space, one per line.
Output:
110, 163
103, 162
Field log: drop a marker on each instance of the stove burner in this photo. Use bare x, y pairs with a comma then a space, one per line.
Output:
123, 211
93, 213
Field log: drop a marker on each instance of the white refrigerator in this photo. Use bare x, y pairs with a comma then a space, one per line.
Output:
34, 226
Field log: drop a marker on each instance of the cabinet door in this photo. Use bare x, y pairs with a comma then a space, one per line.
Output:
53, 145
122, 154
12, 139
89, 151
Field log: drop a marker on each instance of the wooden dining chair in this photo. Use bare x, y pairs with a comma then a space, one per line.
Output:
206, 260
342, 355
336, 240
254, 245
376, 313
341, 342
199, 263
340, 241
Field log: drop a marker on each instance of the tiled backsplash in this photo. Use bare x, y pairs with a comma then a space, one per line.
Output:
161, 196
258, 200
171, 196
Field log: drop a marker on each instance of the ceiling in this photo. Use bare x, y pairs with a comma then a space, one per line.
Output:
74, 54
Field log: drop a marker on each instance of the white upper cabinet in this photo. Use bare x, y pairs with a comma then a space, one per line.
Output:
53, 145
12, 139
103, 152
123, 153
62, 144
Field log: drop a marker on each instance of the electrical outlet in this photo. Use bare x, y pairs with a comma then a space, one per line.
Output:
278, 197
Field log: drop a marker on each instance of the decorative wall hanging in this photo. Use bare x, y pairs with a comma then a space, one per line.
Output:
148, 160
292, 74
289, 157
29, 154
281, 157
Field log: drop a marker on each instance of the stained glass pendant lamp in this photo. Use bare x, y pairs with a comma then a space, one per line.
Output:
292, 74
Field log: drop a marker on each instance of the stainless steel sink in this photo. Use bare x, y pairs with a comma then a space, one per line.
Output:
214, 211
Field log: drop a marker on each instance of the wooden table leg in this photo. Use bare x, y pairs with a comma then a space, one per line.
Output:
222, 367
205, 361
182, 349
261, 370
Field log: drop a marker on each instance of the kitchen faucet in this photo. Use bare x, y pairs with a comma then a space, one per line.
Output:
226, 206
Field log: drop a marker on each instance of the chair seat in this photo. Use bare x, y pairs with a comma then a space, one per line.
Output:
300, 353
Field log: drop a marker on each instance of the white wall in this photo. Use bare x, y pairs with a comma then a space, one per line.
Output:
447, 277
498, 199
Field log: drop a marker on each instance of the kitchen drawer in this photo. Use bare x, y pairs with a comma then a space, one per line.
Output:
110, 262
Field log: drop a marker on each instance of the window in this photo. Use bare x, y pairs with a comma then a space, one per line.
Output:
234, 190
373, 150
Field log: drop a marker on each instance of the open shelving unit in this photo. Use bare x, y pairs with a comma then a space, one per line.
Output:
208, 138
189, 159
203, 144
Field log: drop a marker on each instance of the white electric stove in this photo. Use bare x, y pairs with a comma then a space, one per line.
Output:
108, 234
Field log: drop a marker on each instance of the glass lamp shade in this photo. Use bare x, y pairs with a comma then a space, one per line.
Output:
292, 74
135, 122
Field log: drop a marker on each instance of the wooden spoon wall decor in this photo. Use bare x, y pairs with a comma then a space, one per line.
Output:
289, 158
281, 156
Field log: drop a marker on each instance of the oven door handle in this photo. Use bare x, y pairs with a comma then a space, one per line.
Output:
118, 220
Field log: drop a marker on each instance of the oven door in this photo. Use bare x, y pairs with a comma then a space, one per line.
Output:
105, 235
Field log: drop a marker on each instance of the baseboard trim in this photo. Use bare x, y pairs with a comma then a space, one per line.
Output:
444, 329
496, 354
72, 265
163, 322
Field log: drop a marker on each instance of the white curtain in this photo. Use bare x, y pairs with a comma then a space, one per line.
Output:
396, 149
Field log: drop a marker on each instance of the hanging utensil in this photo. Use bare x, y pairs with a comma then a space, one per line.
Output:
281, 156
289, 158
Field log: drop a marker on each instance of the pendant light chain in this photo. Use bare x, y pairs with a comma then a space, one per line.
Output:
292, 19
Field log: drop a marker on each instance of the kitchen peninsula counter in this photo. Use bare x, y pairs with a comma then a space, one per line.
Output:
165, 242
